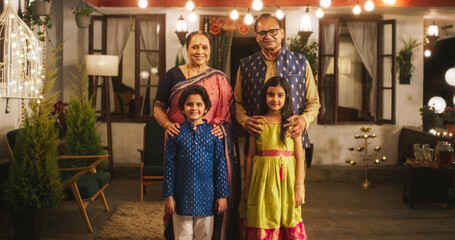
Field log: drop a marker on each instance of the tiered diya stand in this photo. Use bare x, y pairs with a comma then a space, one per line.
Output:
365, 138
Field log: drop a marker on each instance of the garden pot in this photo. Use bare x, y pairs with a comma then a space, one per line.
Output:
450, 128
30, 223
42, 8
429, 124
405, 79
83, 21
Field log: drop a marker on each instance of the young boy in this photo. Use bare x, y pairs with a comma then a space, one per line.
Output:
194, 170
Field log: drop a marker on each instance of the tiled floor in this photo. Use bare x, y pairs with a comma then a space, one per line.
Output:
333, 211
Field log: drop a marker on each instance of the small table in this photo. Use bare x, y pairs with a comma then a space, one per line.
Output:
428, 184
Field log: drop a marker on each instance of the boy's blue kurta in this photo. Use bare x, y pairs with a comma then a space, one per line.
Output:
195, 170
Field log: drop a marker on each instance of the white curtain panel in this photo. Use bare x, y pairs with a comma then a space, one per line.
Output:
364, 36
118, 30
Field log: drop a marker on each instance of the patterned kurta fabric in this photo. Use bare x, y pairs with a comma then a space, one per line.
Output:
195, 170
289, 65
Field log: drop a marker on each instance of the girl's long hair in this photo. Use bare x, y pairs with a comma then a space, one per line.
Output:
287, 110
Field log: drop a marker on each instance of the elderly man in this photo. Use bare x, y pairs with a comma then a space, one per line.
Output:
275, 60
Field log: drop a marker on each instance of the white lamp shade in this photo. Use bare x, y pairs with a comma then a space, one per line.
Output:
438, 103
102, 65
450, 76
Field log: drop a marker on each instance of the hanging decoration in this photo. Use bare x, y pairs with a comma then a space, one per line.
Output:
243, 29
20, 66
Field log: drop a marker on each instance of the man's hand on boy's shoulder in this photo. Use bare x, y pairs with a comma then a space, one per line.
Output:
221, 205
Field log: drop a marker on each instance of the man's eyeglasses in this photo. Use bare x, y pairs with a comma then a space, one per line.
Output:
272, 32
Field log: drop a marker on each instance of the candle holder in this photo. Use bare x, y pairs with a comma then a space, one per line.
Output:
365, 139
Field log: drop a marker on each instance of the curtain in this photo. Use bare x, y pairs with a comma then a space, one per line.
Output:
327, 95
221, 44
150, 39
118, 30
364, 36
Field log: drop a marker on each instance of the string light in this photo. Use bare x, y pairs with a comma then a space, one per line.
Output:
192, 17
305, 22
143, 3
369, 5
427, 53
257, 5
279, 14
234, 14
325, 3
356, 10
319, 12
248, 20
390, 2
189, 5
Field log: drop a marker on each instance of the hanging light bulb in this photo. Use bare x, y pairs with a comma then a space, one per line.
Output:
143, 3
248, 19
189, 5
319, 12
427, 53
257, 5
389, 1
234, 14
356, 10
192, 17
325, 3
369, 5
305, 22
279, 14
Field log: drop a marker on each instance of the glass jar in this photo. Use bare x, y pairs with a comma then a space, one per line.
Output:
436, 149
445, 155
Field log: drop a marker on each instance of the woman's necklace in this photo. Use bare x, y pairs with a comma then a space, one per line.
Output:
191, 80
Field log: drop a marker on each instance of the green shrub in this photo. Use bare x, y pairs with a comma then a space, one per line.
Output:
34, 178
82, 137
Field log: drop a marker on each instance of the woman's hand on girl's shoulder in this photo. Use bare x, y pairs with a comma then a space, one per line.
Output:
217, 131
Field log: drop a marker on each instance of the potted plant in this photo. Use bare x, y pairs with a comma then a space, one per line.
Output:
34, 186
430, 118
41, 7
299, 45
404, 60
82, 137
39, 12
449, 118
83, 16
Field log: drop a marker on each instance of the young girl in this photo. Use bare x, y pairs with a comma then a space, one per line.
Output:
275, 172
194, 170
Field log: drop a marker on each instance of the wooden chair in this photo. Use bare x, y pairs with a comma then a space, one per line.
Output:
152, 156
82, 185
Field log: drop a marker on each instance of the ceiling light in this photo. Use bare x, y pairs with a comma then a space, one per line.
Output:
248, 19
143, 3
319, 12
189, 5
257, 5
279, 14
325, 3
192, 17
234, 14
369, 5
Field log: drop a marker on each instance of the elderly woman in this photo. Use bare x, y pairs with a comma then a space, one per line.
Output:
168, 115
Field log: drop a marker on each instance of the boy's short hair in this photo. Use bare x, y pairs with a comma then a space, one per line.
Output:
195, 90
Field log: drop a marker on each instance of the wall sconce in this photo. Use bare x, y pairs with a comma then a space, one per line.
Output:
432, 34
181, 30
305, 29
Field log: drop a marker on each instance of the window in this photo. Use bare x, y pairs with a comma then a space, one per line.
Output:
357, 70
140, 41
